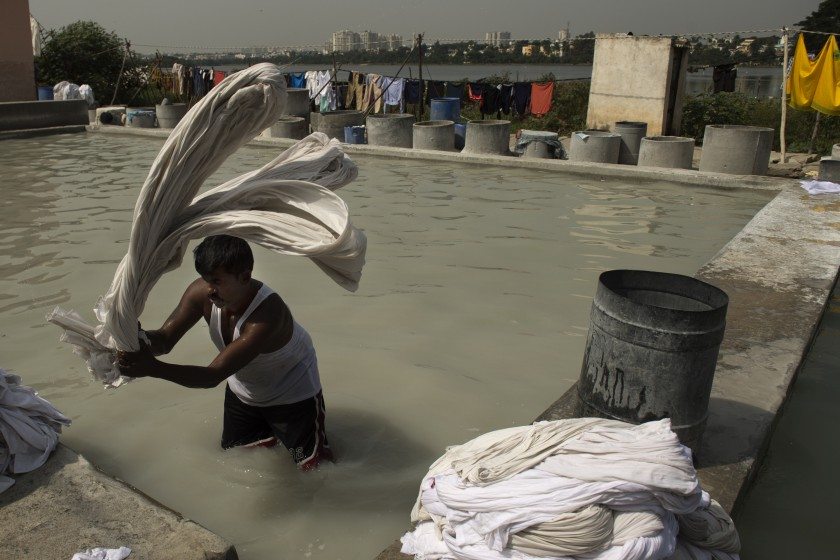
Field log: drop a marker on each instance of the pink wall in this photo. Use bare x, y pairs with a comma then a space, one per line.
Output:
17, 75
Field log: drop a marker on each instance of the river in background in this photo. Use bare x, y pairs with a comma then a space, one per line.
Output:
754, 81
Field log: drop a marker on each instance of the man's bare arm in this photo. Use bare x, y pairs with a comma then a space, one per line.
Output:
188, 312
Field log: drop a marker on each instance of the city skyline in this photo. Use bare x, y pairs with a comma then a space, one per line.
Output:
216, 25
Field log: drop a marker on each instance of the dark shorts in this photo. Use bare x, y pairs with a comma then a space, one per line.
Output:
298, 426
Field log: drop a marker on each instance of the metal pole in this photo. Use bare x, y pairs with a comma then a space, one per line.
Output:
782, 142
420, 72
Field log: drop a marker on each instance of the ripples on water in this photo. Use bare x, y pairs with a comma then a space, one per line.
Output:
470, 317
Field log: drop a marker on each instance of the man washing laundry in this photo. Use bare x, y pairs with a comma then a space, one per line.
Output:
273, 387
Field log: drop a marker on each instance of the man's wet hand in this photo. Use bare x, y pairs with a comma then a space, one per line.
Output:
137, 364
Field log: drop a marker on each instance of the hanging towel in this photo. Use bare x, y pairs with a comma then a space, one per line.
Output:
475, 91
541, 95
298, 80
522, 97
218, 76
412, 91
505, 97
490, 101
393, 93
455, 89
286, 206
434, 89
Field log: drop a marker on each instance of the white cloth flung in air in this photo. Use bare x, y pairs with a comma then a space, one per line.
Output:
287, 206
29, 428
103, 554
578, 488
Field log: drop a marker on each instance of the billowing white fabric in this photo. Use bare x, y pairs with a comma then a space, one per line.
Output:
29, 428
286, 206
103, 554
65, 91
37, 37
541, 491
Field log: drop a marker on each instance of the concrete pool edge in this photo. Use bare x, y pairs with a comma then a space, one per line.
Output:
688, 177
68, 505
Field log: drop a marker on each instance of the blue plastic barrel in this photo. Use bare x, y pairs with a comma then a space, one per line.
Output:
45, 93
354, 135
460, 136
446, 109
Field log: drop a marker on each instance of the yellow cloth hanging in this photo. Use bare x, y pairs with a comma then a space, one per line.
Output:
814, 85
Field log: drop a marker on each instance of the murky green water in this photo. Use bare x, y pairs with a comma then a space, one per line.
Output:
471, 316
789, 513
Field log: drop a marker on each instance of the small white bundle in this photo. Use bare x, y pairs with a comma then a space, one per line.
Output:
578, 488
29, 428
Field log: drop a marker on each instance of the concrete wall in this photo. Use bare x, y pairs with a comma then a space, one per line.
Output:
42, 114
17, 73
637, 79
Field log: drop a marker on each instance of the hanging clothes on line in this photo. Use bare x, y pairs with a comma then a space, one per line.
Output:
325, 98
355, 90
723, 78
455, 89
412, 91
814, 84
475, 91
522, 97
297, 80
311, 78
373, 93
218, 76
541, 95
393, 97
434, 90
490, 101
179, 72
505, 97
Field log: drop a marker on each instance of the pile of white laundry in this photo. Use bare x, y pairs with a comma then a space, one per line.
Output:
287, 206
29, 428
578, 488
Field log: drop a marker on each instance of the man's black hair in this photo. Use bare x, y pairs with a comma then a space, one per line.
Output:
223, 251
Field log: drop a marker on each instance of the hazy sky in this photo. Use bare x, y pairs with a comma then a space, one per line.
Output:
229, 23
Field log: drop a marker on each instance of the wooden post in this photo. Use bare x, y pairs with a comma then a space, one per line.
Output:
122, 67
420, 71
782, 142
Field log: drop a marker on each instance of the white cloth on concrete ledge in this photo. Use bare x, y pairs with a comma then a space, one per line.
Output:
29, 428
820, 187
578, 488
286, 206
103, 554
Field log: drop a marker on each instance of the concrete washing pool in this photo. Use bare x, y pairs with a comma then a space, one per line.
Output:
471, 316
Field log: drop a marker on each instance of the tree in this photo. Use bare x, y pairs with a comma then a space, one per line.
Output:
825, 18
84, 53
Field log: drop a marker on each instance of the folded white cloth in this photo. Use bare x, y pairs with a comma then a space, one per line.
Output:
29, 428
578, 488
103, 554
820, 187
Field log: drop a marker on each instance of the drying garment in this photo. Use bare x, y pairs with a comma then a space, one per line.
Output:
103, 554
87, 94
412, 91
541, 96
491, 101
578, 488
355, 90
475, 91
820, 187
325, 94
65, 91
373, 93
218, 76
393, 93
297, 81
815, 84
723, 78
434, 90
199, 83
312, 83
505, 97
522, 97
179, 73
455, 89
341, 93
286, 206
29, 428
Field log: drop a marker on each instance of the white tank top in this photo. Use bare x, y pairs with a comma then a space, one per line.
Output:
285, 376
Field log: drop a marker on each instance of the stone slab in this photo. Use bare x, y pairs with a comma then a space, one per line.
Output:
68, 506
18, 115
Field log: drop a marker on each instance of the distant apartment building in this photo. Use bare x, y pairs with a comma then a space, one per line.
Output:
563, 35
392, 42
345, 41
497, 38
369, 40
745, 46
